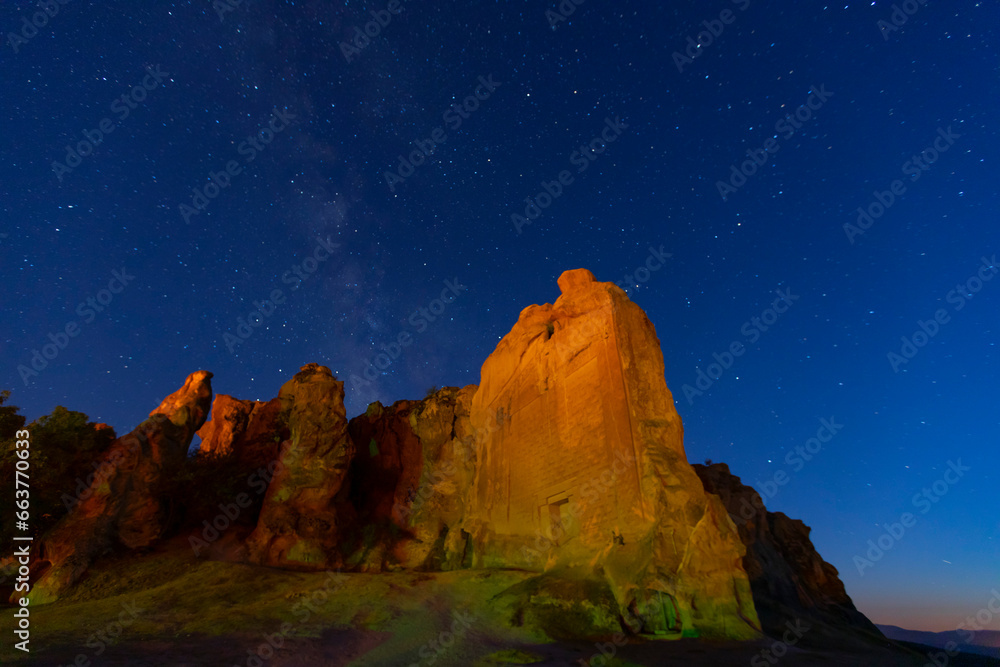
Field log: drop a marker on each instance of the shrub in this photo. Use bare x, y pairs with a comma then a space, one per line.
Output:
65, 445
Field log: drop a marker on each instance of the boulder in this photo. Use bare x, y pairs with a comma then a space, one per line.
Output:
581, 464
789, 579
123, 506
300, 523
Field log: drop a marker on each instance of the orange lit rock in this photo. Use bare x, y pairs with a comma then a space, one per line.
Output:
581, 465
227, 423
103, 427
122, 505
249, 429
299, 524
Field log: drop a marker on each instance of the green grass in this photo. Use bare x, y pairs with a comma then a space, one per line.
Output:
509, 657
188, 601
182, 596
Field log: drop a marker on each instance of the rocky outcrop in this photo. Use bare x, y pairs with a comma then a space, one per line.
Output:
123, 506
249, 430
566, 461
789, 579
581, 465
301, 522
410, 480
434, 511
388, 461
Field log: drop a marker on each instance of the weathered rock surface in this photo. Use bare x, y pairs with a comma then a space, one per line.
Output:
122, 506
410, 480
566, 461
789, 579
581, 464
251, 430
301, 520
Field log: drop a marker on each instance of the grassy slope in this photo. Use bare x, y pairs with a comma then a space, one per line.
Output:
198, 612
184, 598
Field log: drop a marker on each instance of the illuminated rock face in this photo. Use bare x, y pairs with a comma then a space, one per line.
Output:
581, 465
250, 429
299, 524
567, 460
121, 507
557, 400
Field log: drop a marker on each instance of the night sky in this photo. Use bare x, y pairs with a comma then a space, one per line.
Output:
309, 119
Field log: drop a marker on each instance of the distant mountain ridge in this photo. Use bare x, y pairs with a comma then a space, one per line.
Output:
984, 642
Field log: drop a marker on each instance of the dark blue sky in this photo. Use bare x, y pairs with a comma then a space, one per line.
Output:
311, 193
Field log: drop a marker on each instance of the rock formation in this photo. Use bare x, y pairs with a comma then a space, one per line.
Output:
788, 577
410, 480
581, 465
122, 507
300, 522
566, 461
250, 430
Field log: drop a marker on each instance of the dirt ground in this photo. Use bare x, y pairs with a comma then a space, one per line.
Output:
343, 648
